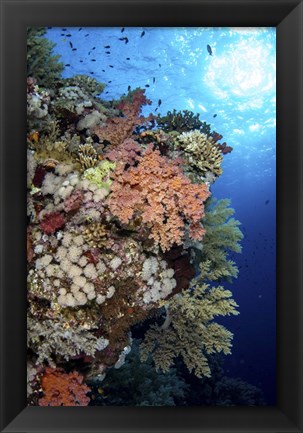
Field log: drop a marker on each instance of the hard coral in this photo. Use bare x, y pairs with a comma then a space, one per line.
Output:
63, 389
158, 192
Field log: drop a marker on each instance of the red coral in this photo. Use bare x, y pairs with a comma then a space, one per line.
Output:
74, 201
63, 389
224, 148
52, 222
157, 191
118, 129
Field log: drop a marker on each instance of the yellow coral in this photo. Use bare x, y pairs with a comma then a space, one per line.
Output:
189, 330
201, 152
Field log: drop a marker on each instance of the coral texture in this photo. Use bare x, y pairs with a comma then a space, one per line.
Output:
63, 389
157, 192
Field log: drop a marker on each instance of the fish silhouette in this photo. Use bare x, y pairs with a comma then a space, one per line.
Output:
209, 50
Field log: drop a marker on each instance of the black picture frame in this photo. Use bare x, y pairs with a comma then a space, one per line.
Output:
286, 16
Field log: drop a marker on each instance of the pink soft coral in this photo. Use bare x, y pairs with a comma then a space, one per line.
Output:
52, 222
159, 193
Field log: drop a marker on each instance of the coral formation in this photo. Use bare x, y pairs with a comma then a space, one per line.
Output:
119, 224
157, 192
62, 389
201, 153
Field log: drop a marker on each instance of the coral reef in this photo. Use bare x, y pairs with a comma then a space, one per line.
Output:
119, 224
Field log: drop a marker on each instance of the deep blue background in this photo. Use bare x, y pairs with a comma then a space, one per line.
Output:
236, 83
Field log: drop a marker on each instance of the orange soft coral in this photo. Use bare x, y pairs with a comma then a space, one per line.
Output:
159, 193
118, 129
63, 389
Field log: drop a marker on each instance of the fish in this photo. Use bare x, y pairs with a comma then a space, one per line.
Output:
146, 85
209, 50
214, 115
142, 34
74, 49
79, 29
106, 46
92, 73
86, 35
128, 88
67, 64
93, 48
122, 30
81, 61
154, 79
70, 44
159, 65
111, 66
109, 81
93, 60
267, 201
64, 30
159, 102
107, 52
125, 39
127, 58
103, 70
69, 35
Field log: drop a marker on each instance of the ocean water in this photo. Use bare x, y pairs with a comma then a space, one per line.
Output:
227, 75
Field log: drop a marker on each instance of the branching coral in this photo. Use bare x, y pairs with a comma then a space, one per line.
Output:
189, 330
222, 236
182, 121
118, 129
41, 63
63, 389
201, 153
158, 192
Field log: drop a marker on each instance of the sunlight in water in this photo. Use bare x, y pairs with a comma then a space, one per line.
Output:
243, 71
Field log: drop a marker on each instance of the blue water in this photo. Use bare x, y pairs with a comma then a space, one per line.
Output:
237, 84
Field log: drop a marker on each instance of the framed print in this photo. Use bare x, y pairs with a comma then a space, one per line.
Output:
151, 226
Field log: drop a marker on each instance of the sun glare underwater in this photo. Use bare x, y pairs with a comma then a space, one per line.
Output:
151, 240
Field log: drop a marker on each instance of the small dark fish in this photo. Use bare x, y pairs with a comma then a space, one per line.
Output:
154, 79
267, 201
69, 35
49, 27
122, 30
89, 53
159, 65
103, 70
64, 30
79, 29
67, 64
81, 61
209, 50
93, 48
159, 102
109, 81
214, 115
156, 109
106, 92
93, 60
128, 88
62, 34
107, 52
146, 85
92, 73
127, 58
70, 44
142, 34
111, 66
74, 49
106, 46
86, 35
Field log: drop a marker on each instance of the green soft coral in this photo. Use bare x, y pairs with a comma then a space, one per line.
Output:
100, 175
222, 236
189, 330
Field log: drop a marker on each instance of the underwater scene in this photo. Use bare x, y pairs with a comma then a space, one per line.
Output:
151, 209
